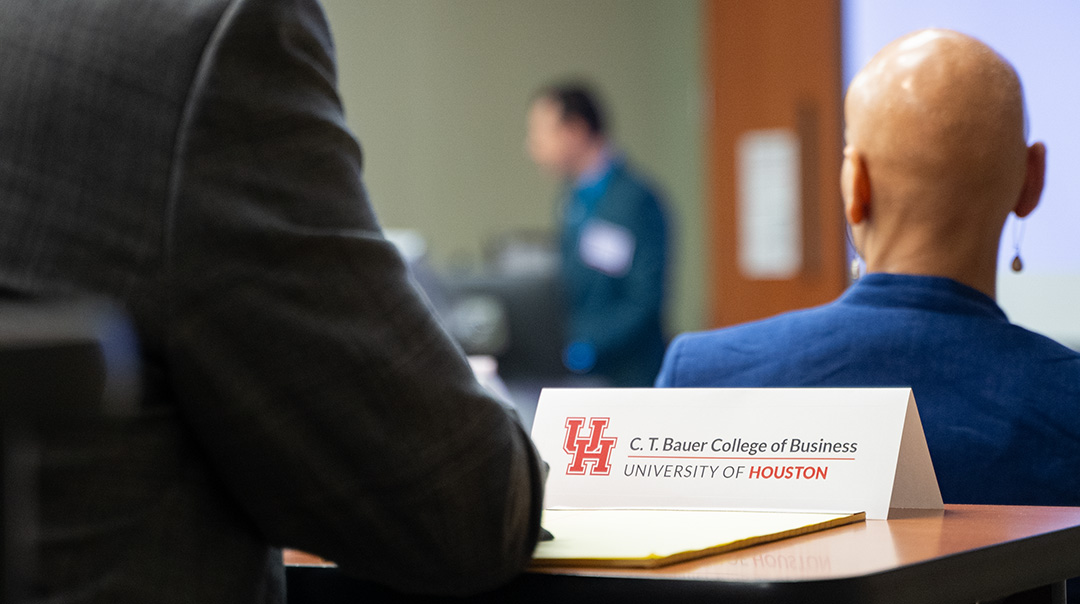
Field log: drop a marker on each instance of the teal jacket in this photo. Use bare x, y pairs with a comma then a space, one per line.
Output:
614, 249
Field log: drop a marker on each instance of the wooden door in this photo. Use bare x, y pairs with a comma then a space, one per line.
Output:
773, 66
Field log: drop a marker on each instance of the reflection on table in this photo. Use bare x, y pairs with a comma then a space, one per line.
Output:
967, 554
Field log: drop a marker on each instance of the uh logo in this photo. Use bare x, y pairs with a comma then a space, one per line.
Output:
592, 449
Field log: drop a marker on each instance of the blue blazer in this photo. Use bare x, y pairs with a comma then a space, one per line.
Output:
1000, 405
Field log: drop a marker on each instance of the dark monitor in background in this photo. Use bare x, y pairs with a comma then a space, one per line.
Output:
512, 310
518, 319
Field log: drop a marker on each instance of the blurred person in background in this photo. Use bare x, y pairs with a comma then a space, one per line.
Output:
613, 240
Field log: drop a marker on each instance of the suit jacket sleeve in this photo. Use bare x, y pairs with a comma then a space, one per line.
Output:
331, 404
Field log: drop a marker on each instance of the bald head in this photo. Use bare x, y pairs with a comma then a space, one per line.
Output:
936, 156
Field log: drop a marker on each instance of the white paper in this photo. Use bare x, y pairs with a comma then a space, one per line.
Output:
769, 216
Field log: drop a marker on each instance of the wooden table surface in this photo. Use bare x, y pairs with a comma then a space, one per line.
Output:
968, 553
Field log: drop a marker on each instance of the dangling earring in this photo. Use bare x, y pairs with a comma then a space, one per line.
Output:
1018, 236
856, 269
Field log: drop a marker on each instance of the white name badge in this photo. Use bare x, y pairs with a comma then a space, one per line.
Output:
836, 450
607, 247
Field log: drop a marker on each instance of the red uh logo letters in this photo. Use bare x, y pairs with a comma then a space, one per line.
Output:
593, 449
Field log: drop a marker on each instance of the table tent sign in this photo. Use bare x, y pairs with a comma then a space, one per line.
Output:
828, 450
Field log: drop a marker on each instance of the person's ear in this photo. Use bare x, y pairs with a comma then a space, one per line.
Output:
1034, 179
856, 186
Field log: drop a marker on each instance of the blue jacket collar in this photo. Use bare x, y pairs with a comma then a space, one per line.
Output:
938, 294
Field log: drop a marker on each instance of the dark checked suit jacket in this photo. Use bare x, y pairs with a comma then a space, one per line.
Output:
189, 158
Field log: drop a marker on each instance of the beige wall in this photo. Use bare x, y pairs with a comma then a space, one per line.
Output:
437, 91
